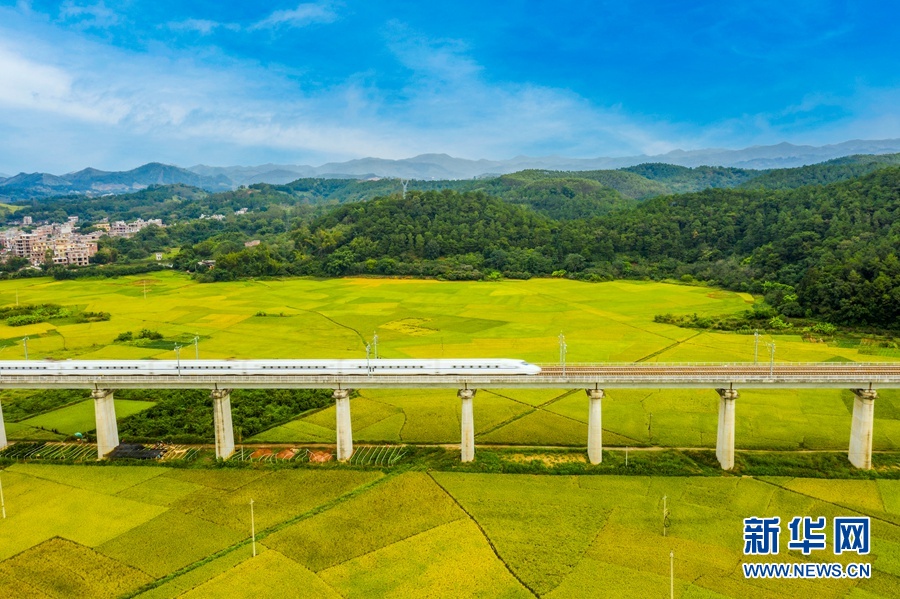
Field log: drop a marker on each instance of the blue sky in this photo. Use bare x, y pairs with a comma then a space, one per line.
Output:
116, 84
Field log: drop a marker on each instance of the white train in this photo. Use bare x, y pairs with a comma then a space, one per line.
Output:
500, 366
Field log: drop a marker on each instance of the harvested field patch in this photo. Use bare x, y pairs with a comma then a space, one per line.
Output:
320, 457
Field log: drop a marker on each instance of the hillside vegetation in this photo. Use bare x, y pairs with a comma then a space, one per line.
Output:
819, 241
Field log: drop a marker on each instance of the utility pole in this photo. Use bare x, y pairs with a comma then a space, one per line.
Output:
756, 346
2, 501
253, 528
672, 574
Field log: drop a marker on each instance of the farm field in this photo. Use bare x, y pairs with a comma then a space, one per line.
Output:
304, 318
91, 531
415, 318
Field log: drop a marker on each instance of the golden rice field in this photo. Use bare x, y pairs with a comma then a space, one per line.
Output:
307, 318
155, 532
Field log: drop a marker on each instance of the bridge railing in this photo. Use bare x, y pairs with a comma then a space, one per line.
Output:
760, 364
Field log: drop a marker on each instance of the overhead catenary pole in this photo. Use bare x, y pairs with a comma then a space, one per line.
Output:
375, 343
178, 357
771, 347
562, 352
25, 345
2, 501
196, 347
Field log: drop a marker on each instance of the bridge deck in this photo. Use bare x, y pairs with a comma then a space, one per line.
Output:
741, 376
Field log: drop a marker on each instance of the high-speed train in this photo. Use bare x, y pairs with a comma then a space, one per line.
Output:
500, 366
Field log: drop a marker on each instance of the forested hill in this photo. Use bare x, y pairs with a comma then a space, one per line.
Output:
835, 246
839, 169
681, 179
837, 243
600, 191
410, 235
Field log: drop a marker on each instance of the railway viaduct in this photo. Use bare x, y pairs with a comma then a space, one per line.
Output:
863, 379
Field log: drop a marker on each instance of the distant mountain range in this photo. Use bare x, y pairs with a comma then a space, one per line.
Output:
423, 167
96, 182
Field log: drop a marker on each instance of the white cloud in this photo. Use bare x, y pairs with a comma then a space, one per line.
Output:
25, 84
305, 14
202, 26
88, 15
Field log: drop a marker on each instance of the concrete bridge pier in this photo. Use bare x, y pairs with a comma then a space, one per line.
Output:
344, 427
467, 425
725, 432
105, 417
3, 441
860, 454
222, 420
595, 426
